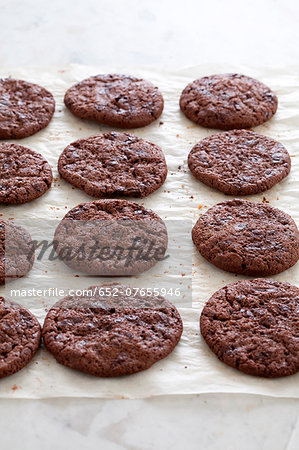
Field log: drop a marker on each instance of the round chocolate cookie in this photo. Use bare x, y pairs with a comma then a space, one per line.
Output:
16, 251
111, 238
113, 331
24, 174
25, 108
247, 238
228, 101
118, 100
253, 326
114, 164
20, 334
239, 162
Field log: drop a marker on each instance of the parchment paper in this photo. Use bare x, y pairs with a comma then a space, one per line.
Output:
192, 368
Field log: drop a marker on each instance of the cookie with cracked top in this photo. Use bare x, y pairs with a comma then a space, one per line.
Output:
112, 335
20, 334
114, 164
25, 108
118, 100
239, 162
24, 174
16, 251
252, 325
111, 238
247, 238
228, 101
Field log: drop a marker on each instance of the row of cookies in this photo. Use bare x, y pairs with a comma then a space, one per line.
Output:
202, 89
237, 163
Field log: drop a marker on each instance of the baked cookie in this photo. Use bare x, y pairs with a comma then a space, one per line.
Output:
228, 101
16, 251
20, 334
239, 162
114, 164
114, 334
111, 238
25, 108
24, 174
247, 238
118, 100
252, 325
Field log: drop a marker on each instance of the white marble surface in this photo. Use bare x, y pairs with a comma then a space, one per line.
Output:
168, 34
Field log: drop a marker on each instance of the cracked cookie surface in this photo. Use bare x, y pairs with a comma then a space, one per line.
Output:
248, 238
118, 100
111, 238
114, 164
24, 174
239, 162
25, 108
252, 325
16, 251
20, 334
228, 101
112, 335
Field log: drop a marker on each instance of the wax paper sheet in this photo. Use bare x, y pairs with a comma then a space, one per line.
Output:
192, 368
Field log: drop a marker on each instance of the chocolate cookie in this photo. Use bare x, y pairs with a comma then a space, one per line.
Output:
118, 100
228, 101
112, 335
111, 238
16, 251
25, 108
114, 164
239, 162
248, 238
253, 326
20, 334
24, 174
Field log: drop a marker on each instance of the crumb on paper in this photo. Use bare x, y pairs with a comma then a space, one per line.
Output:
14, 387
177, 135
265, 200
161, 123
200, 206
